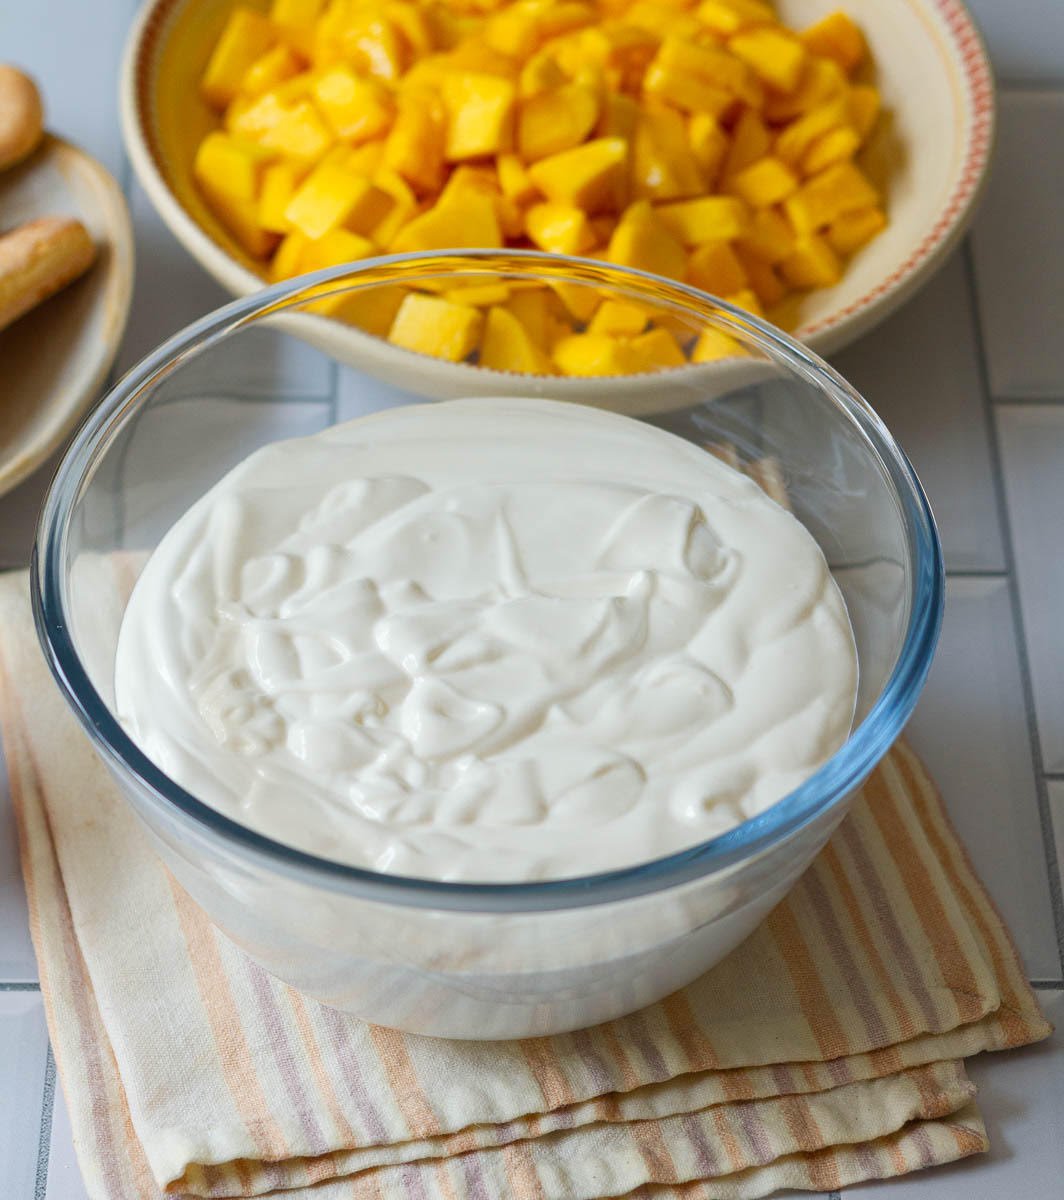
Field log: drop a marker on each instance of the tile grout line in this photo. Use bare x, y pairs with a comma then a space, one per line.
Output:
1034, 401
47, 1111
28, 985
1012, 582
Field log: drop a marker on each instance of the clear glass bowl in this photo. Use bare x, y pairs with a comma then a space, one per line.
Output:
461, 959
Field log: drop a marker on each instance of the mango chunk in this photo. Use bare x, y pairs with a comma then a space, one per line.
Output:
593, 354
414, 147
821, 80
469, 224
508, 346
709, 219
532, 307
830, 148
836, 36
286, 261
479, 115
764, 183
559, 228
429, 325
751, 140
618, 319
357, 108
555, 120
732, 16
811, 264
852, 230
372, 309
762, 277
332, 196
246, 37
716, 268
270, 69
655, 350
479, 295
795, 139
715, 344
231, 166
279, 182
590, 176
643, 241
709, 145
663, 165
514, 180
333, 249
747, 299
774, 55
295, 21
819, 201
299, 133
768, 236
864, 106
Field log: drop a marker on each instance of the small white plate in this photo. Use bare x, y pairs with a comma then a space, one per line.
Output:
55, 358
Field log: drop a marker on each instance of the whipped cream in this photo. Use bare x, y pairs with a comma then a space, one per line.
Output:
487, 640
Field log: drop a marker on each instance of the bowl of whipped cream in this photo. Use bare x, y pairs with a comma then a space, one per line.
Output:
488, 712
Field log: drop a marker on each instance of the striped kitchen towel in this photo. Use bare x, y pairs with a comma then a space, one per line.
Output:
826, 1050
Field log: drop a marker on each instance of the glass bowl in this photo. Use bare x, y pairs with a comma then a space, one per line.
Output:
466, 959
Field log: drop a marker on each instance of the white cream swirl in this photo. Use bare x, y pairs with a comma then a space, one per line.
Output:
487, 640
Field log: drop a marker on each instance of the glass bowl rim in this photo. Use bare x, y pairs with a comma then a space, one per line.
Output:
834, 780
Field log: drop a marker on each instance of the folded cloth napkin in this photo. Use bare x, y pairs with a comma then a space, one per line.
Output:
824, 1051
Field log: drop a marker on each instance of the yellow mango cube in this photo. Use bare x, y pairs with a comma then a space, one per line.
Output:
241, 217
852, 230
270, 69
479, 115
819, 201
750, 141
559, 228
414, 146
470, 223
836, 36
663, 166
775, 55
811, 264
540, 74
334, 248
731, 16
710, 66
295, 21
514, 180
618, 116
764, 183
479, 295
709, 144
591, 176
768, 236
643, 241
403, 209
515, 31
821, 80
246, 37
356, 108
715, 344
716, 268
288, 257
230, 166
556, 120
372, 309
414, 26
687, 92
655, 350
593, 354
834, 147
746, 298
507, 345
279, 182
332, 196
300, 133
795, 139
766, 284
864, 104
430, 325
618, 319
533, 308
708, 219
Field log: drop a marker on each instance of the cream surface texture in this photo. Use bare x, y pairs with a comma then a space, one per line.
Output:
487, 640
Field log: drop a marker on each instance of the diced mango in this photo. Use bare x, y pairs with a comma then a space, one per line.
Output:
716, 268
270, 69
430, 325
590, 176
240, 217
751, 140
830, 148
414, 147
763, 279
279, 182
731, 16
332, 196
404, 205
479, 115
764, 183
540, 74
821, 80
811, 264
295, 20
715, 344
656, 349
618, 319
709, 219
710, 67
836, 36
579, 300
470, 223
334, 248
618, 116
643, 241
508, 346
663, 165
532, 307
246, 37
515, 31
768, 236
794, 140
300, 133
413, 25
514, 180
479, 295
288, 258
593, 354
773, 54
709, 145
555, 120
819, 201
864, 108
852, 230
559, 228
231, 166
372, 309
357, 108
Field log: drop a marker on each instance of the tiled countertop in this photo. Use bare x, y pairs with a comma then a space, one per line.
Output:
969, 376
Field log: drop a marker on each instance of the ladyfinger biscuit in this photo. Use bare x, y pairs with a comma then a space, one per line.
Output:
21, 116
38, 259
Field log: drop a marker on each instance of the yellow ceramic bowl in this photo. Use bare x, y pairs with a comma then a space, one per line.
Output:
930, 155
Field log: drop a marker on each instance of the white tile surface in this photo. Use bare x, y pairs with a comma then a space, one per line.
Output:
17, 964
970, 730
1024, 39
64, 1175
1019, 246
23, 1047
1021, 1095
931, 398
1032, 452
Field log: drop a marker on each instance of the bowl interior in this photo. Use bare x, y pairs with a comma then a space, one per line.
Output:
240, 380
928, 155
